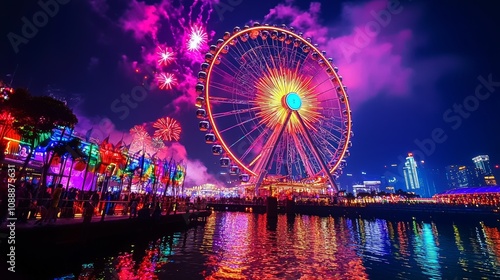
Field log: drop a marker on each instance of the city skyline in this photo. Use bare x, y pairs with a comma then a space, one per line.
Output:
430, 180
424, 88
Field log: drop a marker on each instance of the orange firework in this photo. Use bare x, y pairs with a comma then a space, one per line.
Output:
167, 129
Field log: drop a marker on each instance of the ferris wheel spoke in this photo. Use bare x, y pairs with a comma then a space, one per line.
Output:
316, 70
324, 118
253, 71
321, 83
233, 112
270, 55
222, 87
256, 68
326, 134
254, 144
280, 152
239, 124
301, 153
330, 126
325, 91
326, 145
223, 100
316, 151
227, 78
263, 57
290, 157
232, 71
270, 149
330, 114
245, 136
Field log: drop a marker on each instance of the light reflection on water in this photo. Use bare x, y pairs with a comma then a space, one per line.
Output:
248, 246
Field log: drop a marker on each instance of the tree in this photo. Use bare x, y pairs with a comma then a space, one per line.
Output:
35, 117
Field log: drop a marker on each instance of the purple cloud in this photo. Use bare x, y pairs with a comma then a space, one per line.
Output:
372, 45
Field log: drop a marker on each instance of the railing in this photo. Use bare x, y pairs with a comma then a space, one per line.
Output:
66, 208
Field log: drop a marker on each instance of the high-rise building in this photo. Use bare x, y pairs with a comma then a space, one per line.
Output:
393, 177
490, 180
469, 177
463, 177
482, 162
411, 174
452, 176
427, 186
438, 180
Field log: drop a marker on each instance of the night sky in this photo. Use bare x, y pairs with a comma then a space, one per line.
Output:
405, 79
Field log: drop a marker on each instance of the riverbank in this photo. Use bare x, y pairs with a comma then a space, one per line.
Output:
74, 232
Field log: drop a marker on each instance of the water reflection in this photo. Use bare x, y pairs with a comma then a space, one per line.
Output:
250, 246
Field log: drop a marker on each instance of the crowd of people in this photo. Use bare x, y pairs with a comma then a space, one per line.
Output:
46, 204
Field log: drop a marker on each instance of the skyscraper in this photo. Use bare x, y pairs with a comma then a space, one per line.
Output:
482, 162
452, 176
411, 175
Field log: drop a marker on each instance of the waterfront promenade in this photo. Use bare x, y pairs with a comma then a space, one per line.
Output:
399, 210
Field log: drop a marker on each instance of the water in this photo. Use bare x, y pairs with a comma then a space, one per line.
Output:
247, 246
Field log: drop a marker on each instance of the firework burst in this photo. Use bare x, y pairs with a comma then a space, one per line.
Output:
166, 81
138, 129
197, 38
157, 143
139, 133
168, 129
165, 56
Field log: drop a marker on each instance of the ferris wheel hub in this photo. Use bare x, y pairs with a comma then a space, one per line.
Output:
292, 101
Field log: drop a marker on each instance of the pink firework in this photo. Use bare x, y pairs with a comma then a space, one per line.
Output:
167, 129
138, 129
197, 38
166, 80
165, 56
139, 133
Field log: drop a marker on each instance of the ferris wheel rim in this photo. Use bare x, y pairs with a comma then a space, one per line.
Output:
343, 148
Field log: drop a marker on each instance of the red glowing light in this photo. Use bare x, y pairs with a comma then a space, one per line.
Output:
166, 81
168, 129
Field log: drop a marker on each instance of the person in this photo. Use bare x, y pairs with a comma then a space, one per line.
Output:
88, 211
54, 203
43, 204
157, 211
133, 208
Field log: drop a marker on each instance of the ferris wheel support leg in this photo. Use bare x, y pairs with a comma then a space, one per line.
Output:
263, 173
317, 154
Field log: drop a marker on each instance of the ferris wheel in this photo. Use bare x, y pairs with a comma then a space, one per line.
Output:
272, 104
